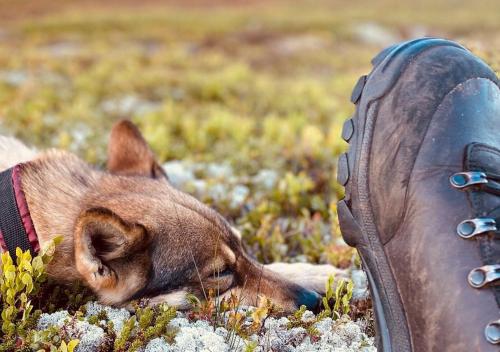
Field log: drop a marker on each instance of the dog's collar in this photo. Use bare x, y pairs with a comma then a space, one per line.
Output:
16, 226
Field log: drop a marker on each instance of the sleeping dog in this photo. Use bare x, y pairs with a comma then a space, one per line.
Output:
129, 234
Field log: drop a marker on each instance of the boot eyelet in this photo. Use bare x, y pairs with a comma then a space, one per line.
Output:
465, 179
472, 227
484, 275
492, 332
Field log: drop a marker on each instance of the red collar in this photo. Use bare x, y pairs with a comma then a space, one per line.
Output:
16, 225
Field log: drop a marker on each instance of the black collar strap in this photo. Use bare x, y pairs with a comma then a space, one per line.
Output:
16, 226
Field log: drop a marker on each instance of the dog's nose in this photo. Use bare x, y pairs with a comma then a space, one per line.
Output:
310, 299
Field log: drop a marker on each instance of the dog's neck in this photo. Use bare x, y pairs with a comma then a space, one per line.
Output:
55, 185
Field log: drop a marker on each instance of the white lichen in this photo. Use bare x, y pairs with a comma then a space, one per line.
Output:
118, 316
90, 336
341, 335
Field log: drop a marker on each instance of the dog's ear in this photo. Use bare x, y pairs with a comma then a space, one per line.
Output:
129, 154
102, 237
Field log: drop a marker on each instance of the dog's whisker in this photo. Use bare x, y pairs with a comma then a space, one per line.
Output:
198, 273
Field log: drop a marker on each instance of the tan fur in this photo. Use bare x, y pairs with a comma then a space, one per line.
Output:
13, 152
128, 233
176, 299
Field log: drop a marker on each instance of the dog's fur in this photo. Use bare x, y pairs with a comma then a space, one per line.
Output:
127, 233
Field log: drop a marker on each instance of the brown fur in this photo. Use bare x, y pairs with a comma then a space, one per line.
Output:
128, 233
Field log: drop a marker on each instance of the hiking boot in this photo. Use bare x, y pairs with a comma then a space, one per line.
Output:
422, 196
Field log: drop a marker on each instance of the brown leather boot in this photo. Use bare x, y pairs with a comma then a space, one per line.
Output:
422, 196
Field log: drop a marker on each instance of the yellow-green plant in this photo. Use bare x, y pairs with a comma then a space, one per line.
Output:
226, 313
296, 320
69, 347
341, 296
50, 340
148, 323
251, 346
19, 283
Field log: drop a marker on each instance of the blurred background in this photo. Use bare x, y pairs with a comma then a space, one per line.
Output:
242, 100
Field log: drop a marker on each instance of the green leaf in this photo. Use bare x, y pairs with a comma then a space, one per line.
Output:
325, 304
26, 279
8, 313
11, 293
19, 255
23, 297
26, 266
63, 347
10, 277
27, 311
345, 304
72, 345
37, 265
27, 256
6, 259
8, 328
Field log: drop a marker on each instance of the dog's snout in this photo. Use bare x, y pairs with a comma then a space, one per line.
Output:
310, 299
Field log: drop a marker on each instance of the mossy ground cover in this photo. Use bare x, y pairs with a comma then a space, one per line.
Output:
243, 101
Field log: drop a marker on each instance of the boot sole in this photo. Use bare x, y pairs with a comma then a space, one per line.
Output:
392, 327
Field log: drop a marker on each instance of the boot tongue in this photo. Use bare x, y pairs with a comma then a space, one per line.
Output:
482, 157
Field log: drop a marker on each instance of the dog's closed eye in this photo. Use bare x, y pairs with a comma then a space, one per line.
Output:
222, 273
221, 280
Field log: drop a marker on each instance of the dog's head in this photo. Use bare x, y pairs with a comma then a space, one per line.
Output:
138, 236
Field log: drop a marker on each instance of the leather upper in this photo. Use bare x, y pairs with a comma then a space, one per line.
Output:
429, 260
403, 118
